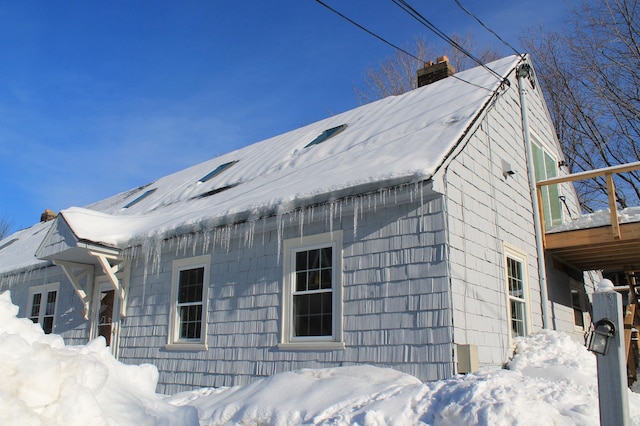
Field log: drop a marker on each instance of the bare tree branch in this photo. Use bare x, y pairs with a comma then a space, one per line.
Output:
397, 74
590, 78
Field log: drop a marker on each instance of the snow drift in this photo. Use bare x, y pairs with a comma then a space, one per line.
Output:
550, 380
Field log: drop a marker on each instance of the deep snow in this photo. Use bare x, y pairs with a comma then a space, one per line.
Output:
550, 380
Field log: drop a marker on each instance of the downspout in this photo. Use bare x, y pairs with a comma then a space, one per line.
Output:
524, 71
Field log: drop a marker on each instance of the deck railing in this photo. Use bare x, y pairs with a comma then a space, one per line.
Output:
608, 173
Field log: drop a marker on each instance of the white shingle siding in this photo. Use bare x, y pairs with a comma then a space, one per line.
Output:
395, 300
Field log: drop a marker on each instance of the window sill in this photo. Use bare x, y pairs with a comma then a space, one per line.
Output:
186, 347
310, 346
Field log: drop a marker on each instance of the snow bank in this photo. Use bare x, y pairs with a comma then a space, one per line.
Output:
44, 382
550, 380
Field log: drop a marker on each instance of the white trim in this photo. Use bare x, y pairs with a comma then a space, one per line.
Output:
292, 246
520, 256
173, 341
44, 290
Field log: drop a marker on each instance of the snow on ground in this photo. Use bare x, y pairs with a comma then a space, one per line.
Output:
550, 380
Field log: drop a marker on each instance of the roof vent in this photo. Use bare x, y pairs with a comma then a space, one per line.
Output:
433, 72
47, 215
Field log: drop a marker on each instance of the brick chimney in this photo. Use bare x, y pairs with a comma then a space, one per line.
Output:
433, 72
47, 216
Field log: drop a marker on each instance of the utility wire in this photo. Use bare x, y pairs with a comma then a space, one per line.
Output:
402, 50
369, 32
468, 12
424, 21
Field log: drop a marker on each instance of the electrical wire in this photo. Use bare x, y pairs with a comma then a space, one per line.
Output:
404, 51
368, 32
402, 4
468, 12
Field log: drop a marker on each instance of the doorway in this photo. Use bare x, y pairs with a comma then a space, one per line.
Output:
106, 318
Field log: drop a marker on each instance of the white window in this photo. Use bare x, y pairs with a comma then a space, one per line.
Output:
517, 291
42, 306
312, 300
188, 315
546, 167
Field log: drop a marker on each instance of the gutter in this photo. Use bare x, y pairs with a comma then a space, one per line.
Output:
525, 71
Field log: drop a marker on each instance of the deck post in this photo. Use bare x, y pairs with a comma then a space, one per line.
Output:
612, 368
613, 209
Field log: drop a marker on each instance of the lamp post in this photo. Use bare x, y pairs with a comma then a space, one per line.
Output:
608, 345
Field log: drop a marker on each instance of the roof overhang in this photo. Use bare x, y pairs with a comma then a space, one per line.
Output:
79, 259
61, 244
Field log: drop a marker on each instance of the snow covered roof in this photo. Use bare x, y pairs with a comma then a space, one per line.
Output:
395, 140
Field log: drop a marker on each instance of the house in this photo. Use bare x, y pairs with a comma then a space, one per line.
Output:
401, 234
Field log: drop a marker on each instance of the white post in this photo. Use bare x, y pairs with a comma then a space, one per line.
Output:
612, 368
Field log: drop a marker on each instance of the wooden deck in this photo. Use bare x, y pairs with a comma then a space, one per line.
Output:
614, 247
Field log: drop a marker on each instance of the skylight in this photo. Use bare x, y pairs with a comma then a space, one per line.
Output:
327, 134
140, 198
216, 191
8, 243
221, 168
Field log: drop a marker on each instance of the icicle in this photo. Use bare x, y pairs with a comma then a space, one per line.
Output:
422, 207
356, 204
279, 225
301, 221
332, 208
227, 238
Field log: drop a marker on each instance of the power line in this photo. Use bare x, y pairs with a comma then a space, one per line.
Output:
402, 4
402, 50
369, 32
468, 12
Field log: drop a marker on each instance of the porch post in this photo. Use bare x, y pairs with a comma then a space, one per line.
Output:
612, 368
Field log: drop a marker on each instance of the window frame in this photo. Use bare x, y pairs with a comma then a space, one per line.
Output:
174, 341
515, 254
44, 291
292, 246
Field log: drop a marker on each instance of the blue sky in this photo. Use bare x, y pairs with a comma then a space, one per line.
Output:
97, 97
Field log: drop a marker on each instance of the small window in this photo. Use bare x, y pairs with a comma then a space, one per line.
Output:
221, 168
312, 308
140, 198
578, 303
189, 303
327, 134
517, 292
42, 306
